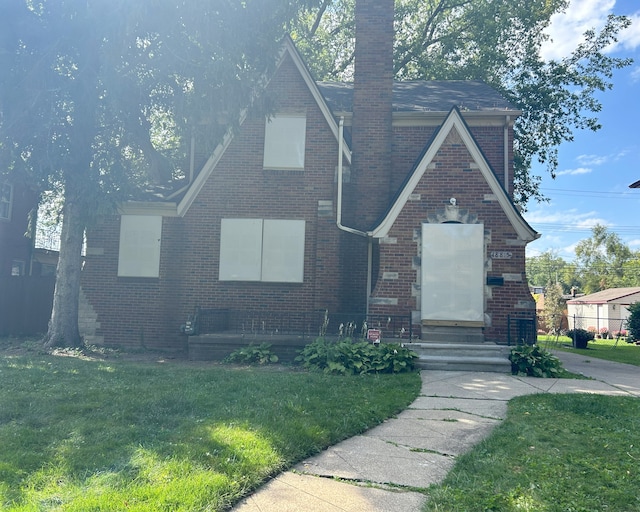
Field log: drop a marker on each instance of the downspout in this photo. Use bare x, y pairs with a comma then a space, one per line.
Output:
506, 153
339, 205
339, 213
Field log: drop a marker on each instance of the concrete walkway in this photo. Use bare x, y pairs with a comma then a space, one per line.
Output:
379, 470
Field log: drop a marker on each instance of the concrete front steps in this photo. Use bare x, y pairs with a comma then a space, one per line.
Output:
473, 357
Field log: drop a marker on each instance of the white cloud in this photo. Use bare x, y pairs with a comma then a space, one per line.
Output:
568, 219
567, 29
634, 243
630, 38
635, 72
591, 159
574, 172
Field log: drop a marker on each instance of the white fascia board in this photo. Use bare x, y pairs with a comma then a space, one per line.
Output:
202, 177
454, 119
317, 96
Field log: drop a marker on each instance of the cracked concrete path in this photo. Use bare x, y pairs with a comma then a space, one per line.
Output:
383, 469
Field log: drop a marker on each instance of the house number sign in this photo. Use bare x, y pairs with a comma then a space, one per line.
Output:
501, 255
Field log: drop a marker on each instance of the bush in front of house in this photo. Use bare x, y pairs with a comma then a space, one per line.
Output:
633, 322
534, 361
252, 354
344, 357
580, 337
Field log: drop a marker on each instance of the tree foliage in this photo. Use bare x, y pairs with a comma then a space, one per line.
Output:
99, 99
602, 261
606, 262
633, 322
548, 267
554, 306
497, 42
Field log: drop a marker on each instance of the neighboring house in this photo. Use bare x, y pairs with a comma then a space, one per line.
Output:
27, 275
16, 249
604, 310
390, 200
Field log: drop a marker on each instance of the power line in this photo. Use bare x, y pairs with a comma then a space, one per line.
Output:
629, 230
593, 193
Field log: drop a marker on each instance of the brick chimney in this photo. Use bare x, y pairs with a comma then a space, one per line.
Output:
371, 131
372, 109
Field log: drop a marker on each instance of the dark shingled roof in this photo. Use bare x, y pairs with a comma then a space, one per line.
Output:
423, 96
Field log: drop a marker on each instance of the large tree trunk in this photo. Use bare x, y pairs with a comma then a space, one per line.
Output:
63, 325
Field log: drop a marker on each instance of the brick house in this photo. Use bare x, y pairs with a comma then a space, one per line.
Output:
374, 199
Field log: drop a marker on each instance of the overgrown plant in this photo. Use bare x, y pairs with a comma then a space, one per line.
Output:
253, 354
534, 361
580, 337
347, 358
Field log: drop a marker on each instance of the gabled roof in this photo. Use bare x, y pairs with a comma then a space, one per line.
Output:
288, 49
454, 120
612, 295
427, 96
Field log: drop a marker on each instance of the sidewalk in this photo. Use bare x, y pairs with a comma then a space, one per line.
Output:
376, 471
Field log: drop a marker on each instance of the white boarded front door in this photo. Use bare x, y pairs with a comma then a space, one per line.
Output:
452, 289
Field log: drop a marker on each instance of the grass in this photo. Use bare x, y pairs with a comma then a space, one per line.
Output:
553, 453
622, 352
84, 434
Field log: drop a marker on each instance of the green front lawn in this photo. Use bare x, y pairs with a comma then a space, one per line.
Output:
553, 453
83, 434
622, 352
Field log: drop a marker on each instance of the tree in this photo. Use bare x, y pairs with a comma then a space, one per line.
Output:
498, 42
633, 322
554, 306
99, 99
604, 261
549, 267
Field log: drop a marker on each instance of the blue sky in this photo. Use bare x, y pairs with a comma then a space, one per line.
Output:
596, 169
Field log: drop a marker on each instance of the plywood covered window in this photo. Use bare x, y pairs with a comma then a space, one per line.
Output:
284, 142
270, 250
140, 240
453, 274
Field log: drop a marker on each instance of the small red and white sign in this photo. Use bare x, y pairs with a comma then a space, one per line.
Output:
373, 335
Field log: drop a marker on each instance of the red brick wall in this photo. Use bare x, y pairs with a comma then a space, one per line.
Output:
452, 176
131, 310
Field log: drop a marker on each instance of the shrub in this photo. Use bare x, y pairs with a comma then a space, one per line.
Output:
580, 337
534, 361
633, 322
347, 358
261, 354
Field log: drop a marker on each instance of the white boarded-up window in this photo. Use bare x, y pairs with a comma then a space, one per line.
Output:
262, 250
283, 251
240, 250
452, 289
139, 254
284, 142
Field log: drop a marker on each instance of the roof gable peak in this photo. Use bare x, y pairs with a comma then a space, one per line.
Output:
454, 127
